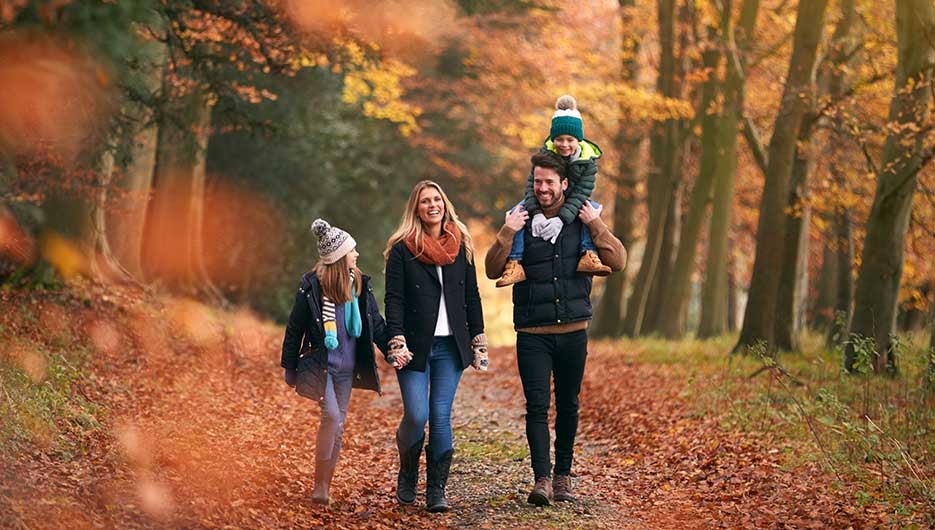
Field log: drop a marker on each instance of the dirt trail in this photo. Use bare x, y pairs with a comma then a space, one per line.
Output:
202, 433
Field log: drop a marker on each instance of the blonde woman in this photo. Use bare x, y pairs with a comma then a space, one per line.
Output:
334, 323
434, 316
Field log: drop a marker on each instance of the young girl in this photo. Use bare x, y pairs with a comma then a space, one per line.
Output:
566, 138
334, 322
433, 310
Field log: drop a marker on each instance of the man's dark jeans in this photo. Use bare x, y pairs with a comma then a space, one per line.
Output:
541, 357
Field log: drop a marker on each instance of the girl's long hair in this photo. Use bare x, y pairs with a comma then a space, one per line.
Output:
335, 280
411, 225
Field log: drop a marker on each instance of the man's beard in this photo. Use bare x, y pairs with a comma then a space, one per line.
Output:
542, 202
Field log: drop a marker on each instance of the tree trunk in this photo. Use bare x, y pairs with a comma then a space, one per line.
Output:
760, 313
678, 142
930, 376
731, 300
844, 291
103, 265
716, 315
823, 310
126, 223
679, 282
660, 181
793, 281
655, 311
841, 256
174, 235
608, 318
881, 265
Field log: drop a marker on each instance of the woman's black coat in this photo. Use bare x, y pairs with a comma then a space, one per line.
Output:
413, 294
305, 332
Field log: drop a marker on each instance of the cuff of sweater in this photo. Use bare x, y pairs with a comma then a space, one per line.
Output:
505, 236
596, 226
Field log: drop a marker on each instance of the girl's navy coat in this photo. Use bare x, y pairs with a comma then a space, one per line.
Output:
413, 293
305, 332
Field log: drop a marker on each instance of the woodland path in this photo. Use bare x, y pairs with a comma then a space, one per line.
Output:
197, 430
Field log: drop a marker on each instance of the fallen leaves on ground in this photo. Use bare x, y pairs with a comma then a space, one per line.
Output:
197, 430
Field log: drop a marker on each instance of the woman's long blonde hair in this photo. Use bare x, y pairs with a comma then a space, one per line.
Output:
335, 280
411, 224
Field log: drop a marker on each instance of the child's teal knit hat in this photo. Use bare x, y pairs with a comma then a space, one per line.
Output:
567, 119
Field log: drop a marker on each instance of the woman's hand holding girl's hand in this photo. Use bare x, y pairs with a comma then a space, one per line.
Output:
399, 354
479, 346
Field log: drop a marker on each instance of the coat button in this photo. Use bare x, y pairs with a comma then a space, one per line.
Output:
557, 300
555, 279
559, 321
418, 286
556, 255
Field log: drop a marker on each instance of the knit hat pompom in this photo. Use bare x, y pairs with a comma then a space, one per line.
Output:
320, 227
566, 102
333, 243
566, 119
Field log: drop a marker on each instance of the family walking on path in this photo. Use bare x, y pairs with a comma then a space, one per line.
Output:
434, 325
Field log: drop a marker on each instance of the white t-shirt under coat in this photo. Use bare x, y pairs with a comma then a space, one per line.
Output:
442, 327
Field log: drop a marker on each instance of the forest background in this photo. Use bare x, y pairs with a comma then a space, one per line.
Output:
766, 163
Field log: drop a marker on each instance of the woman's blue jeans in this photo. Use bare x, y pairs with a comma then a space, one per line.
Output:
428, 396
333, 413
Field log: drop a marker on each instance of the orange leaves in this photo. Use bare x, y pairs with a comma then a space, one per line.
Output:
252, 94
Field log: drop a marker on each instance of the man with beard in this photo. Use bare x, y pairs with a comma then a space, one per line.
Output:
551, 311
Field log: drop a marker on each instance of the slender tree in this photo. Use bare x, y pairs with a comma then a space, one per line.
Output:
715, 297
126, 224
609, 314
793, 279
660, 183
679, 282
843, 46
677, 147
760, 313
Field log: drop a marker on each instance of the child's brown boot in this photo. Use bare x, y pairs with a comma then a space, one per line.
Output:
590, 263
514, 273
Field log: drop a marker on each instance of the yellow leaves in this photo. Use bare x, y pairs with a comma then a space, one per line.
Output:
64, 255
308, 59
529, 128
378, 88
642, 104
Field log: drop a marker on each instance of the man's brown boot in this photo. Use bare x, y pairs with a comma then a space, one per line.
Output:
563, 489
514, 273
590, 263
541, 494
